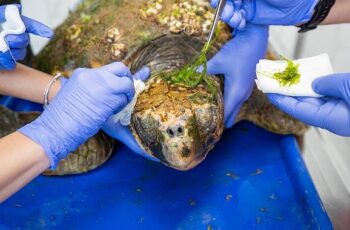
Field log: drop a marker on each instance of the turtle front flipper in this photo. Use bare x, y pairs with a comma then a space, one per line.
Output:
90, 155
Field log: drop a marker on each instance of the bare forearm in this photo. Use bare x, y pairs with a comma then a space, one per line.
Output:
339, 13
26, 83
21, 160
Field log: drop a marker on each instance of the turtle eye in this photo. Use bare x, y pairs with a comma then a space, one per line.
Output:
206, 119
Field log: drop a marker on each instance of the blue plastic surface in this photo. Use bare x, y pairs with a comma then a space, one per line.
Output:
252, 179
19, 105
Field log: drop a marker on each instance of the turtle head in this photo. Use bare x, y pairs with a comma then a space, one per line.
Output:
187, 138
173, 139
178, 125
180, 137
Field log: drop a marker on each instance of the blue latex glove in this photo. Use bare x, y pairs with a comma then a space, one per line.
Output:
331, 112
80, 109
266, 12
237, 61
18, 43
123, 133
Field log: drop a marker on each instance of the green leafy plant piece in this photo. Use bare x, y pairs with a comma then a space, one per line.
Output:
290, 76
190, 77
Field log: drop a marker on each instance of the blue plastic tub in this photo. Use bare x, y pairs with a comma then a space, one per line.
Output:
252, 179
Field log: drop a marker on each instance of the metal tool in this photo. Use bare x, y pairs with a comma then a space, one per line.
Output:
12, 25
218, 12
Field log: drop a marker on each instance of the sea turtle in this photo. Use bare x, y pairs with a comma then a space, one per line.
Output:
176, 124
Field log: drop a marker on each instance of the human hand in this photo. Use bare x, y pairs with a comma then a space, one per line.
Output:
331, 112
266, 12
237, 61
122, 133
18, 43
80, 109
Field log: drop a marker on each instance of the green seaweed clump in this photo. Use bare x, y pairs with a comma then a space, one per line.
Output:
290, 76
193, 74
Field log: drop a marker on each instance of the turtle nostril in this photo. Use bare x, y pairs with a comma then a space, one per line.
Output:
175, 131
170, 132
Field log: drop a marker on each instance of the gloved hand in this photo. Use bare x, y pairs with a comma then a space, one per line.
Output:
266, 12
80, 109
18, 43
331, 112
237, 61
122, 133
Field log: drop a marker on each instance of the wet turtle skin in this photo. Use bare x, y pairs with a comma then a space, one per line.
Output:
96, 151
175, 124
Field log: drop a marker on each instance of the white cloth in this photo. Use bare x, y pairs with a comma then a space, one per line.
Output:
309, 68
124, 116
13, 25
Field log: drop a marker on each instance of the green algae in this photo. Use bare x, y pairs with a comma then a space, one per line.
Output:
287, 77
290, 76
193, 74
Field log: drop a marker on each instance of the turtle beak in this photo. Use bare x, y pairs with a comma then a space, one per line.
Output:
180, 150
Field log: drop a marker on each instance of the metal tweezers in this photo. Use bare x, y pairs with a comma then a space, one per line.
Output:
219, 10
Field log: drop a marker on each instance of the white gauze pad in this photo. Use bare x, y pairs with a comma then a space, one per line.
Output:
309, 69
124, 116
13, 25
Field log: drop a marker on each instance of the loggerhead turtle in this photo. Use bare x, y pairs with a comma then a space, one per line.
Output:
176, 124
